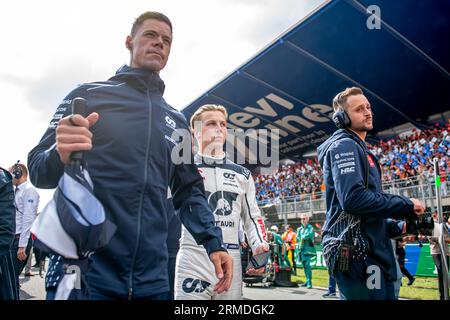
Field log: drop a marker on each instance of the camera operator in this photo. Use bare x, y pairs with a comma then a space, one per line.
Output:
356, 237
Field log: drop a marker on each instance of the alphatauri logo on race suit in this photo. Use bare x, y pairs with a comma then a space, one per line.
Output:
229, 176
195, 285
221, 205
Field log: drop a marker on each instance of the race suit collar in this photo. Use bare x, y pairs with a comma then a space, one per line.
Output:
202, 158
140, 78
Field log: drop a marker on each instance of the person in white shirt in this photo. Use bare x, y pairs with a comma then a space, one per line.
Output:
436, 253
26, 201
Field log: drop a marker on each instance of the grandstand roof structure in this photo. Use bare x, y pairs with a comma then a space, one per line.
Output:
398, 52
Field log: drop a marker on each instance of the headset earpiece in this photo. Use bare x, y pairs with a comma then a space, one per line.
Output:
340, 117
17, 171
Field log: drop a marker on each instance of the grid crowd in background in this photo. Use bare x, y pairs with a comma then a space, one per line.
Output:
406, 156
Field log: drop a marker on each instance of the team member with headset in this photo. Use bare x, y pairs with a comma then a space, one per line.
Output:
356, 235
8, 289
26, 201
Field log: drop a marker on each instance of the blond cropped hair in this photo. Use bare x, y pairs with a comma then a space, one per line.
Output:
197, 116
340, 100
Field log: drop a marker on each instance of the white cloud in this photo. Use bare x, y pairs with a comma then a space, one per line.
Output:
48, 47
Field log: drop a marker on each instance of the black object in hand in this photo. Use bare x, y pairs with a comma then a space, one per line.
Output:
423, 224
259, 260
79, 106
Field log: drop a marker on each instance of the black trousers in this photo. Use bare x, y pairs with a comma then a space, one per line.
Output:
19, 265
405, 272
8, 286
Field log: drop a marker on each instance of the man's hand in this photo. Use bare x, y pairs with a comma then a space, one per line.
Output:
263, 247
223, 265
21, 255
421, 237
409, 238
72, 134
419, 207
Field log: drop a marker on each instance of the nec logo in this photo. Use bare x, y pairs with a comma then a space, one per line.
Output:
190, 285
229, 176
170, 122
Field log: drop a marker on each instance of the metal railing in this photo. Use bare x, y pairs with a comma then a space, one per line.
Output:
293, 207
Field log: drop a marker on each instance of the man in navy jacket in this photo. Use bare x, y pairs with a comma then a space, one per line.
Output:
8, 288
127, 139
354, 197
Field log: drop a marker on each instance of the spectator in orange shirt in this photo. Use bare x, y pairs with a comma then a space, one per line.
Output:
289, 237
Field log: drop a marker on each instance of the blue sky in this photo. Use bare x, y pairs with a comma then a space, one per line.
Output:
48, 47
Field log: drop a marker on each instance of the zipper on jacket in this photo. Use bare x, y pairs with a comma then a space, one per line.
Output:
141, 200
215, 190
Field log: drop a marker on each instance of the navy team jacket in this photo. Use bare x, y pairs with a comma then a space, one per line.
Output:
344, 158
131, 168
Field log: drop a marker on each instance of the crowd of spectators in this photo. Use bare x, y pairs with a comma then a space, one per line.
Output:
412, 155
296, 179
409, 155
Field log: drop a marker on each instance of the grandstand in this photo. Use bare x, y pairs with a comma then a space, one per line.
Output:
402, 64
407, 169
399, 58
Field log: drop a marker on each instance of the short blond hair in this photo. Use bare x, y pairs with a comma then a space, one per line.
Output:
340, 100
207, 107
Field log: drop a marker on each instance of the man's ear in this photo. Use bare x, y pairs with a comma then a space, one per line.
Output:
129, 43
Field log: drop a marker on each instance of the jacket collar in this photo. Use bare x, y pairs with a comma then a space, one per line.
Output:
201, 158
338, 134
140, 78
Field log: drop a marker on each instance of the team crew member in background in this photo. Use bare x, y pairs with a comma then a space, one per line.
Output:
8, 283
231, 196
290, 239
401, 257
306, 250
26, 200
357, 207
127, 133
279, 249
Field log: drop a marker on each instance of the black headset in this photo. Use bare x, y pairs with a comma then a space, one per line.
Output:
17, 171
340, 117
